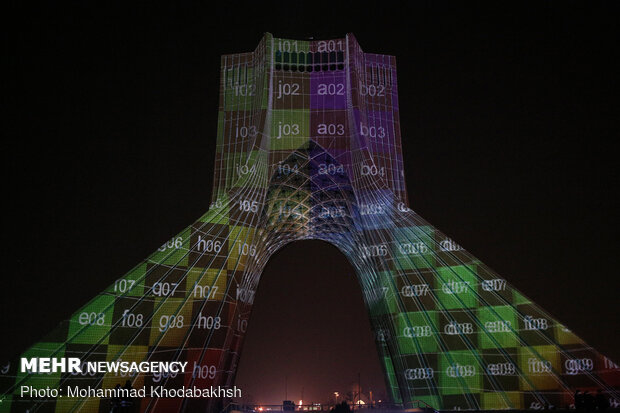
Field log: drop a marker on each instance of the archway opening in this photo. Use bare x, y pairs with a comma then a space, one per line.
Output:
309, 334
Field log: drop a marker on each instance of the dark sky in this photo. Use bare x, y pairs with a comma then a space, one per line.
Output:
509, 118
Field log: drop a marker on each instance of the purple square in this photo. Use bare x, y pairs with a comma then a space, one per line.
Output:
328, 90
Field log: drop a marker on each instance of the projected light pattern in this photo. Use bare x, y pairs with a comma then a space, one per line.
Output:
309, 147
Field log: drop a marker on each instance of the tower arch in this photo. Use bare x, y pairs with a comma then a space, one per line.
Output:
309, 147
309, 328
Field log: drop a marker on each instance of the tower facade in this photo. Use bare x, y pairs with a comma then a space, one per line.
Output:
309, 147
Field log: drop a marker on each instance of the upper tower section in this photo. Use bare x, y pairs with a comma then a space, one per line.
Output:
290, 95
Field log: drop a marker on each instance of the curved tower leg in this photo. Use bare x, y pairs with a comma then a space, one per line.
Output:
309, 147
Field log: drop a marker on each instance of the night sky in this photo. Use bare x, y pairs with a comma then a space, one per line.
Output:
509, 118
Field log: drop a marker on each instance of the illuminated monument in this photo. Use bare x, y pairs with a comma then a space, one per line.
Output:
309, 147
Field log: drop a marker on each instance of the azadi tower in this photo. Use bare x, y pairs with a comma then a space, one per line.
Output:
309, 147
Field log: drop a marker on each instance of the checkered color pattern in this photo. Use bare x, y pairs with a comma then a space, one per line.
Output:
309, 147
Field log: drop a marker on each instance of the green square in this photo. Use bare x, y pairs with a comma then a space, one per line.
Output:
415, 333
239, 94
218, 210
391, 379
459, 373
500, 327
290, 129
174, 251
456, 286
246, 170
131, 284
92, 323
413, 248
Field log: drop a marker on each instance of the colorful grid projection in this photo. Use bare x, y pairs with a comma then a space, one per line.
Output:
309, 147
